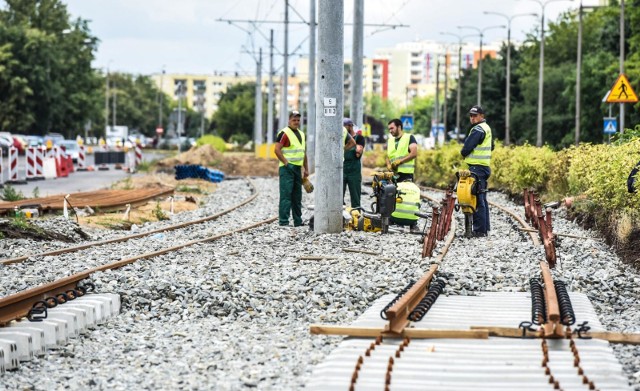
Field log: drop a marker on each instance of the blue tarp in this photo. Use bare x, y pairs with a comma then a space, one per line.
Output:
185, 171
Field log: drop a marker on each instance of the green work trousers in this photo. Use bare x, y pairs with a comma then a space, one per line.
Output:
290, 194
352, 178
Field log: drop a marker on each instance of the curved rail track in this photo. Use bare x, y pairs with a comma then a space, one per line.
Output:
20, 304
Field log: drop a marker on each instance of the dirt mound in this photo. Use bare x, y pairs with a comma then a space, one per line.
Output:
205, 155
231, 163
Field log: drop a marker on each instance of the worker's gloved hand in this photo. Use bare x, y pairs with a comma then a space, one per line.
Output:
395, 165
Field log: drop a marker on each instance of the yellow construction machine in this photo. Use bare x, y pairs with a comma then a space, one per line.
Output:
385, 192
466, 192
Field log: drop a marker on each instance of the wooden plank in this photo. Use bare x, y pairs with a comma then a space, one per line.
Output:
351, 331
612, 337
399, 312
553, 309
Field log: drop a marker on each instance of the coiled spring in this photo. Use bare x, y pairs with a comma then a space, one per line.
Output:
383, 313
538, 304
435, 289
567, 316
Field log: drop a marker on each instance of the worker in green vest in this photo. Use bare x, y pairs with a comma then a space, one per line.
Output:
402, 150
290, 148
477, 154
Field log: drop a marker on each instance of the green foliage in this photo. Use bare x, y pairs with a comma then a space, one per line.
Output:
235, 114
159, 213
438, 167
215, 141
189, 189
239, 138
36, 192
20, 221
9, 193
513, 169
145, 166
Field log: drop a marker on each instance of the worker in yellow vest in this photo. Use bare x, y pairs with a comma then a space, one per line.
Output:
290, 148
477, 154
402, 150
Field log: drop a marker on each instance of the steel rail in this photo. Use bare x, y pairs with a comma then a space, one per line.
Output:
17, 305
135, 236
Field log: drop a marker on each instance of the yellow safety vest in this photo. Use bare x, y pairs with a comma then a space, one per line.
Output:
481, 154
294, 153
410, 194
401, 151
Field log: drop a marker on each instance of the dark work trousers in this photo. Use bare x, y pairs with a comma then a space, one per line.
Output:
352, 178
290, 194
481, 215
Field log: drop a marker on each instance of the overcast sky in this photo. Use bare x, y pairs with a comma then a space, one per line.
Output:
143, 36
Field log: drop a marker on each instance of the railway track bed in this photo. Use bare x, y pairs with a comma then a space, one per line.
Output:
235, 313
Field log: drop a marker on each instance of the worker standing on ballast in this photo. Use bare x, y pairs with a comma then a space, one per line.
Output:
352, 169
290, 148
477, 154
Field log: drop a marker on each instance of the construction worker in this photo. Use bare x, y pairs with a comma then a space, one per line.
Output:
290, 148
477, 154
352, 169
402, 150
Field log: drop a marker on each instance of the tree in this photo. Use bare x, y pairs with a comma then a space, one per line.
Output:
235, 112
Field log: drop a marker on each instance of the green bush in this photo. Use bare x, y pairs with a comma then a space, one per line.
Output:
516, 168
9, 193
438, 167
215, 141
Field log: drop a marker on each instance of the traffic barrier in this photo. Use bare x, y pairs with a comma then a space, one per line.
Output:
13, 167
138, 151
30, 157
40, 153
61, 165
69, 161
103, 163
49, 168
185, 171
82, 164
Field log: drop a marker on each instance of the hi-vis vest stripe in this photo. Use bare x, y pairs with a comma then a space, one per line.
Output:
400, 152
481, 155
294, 153
410, 194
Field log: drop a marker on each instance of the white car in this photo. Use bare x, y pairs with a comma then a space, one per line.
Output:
71, 148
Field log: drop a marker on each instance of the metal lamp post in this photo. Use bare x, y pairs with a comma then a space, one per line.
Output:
507, 115
541, 71
481, 33
460, 39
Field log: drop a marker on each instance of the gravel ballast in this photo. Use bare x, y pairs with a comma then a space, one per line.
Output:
235, 313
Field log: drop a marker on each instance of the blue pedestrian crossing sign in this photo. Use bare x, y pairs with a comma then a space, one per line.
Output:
407, 122
610, 125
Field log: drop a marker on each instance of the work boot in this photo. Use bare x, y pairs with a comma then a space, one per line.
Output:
414, 228
479, 234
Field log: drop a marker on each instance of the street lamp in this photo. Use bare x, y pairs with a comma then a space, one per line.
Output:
481, 33
507, 119
460, 39
541, 72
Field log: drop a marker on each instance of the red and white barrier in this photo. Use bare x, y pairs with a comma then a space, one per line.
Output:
30, 158
82, 163
40, 151
138, 154
13, 166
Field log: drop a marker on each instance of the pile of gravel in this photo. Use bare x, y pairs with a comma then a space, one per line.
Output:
235, 313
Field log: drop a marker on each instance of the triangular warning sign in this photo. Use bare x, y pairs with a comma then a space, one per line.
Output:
621, 92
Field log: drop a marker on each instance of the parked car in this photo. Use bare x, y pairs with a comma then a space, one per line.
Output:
71, 149
56, 138
34, 141
6, 141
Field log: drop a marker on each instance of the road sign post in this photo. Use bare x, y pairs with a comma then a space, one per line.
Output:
610, 125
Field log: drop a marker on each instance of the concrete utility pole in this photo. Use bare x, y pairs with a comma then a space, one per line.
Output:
356, 57
106, 103
311, 103
271, 93
115, 97
578, 75
436, 105
284, 103
161, 98
179, 127
329, 155
446, 89
621, 61
507, 111
257, 132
